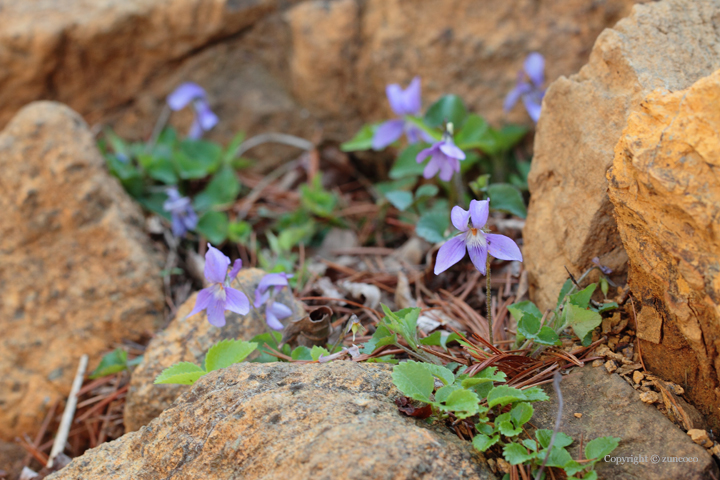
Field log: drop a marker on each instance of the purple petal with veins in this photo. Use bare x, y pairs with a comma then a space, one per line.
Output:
478, 255
236, 301
503, 247
216, 265
216, 312
460, 217
479, 210
449, 254
201, 302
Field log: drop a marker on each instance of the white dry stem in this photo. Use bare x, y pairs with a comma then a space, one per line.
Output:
69, 413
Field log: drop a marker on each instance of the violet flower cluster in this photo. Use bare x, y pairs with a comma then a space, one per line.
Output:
402, 102
183, 216
475, 240
531, 92
270, 285
220, 296
444, 155
193, 93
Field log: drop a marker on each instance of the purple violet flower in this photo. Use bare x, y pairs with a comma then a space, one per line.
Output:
270, 285
402, 102
220, 296
189, 92
445, 158
475, 240
530, 92
603, 269
181, 211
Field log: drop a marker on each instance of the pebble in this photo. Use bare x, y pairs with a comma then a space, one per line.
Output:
700, 437
638, 376
577, 415
610, 366
650, 397
597, 363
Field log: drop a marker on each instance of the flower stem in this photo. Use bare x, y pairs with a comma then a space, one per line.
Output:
459, 190
488, 299
157, 130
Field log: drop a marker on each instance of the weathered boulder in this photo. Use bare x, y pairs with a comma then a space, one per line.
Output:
666, 194
611, 407
292, 66
78, 273
188, 340
668, 44
285, 421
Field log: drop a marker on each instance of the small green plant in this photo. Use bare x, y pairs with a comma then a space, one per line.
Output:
574, 309
114, 362
221, 355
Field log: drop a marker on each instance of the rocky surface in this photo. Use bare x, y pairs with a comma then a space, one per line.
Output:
611, 407
188, 340
667, 204
291, 66
78, 273
668, 44
285, 421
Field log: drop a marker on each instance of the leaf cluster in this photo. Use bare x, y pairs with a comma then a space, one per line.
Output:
221, 355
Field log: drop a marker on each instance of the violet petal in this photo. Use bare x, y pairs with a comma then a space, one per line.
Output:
236, 301
460, 217
216, 312
387, 133
449, 254
479, 210
411, 98
503, 247
478, 255
205, 116
184, 94
426, 153
533, 107
534, 66
451, 150
447, 168
433, 166
512, 98
235, 269
201, 302
280, 310
216, 264
272, 320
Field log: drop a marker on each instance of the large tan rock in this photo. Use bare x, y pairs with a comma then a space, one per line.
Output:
188, 340
78, 273
285, 421
669, 44
666, 192
610, 407
293, 66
